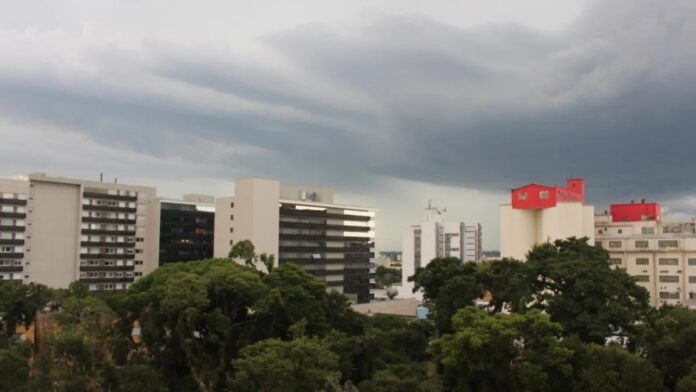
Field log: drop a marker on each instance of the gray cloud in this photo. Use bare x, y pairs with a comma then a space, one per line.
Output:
610, 98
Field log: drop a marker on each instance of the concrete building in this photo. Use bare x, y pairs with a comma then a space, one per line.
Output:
540, 213
334, 242
56, 230
433, 238
186, 228
660, 255
389, 259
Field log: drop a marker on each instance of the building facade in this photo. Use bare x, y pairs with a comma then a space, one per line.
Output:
304, 226
186, 228
60, 230
660, 255
433, 238
540, 213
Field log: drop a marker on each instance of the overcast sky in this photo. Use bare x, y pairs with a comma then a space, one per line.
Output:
390, 102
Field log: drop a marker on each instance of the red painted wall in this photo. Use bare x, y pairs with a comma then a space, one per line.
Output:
635, 212
536, 196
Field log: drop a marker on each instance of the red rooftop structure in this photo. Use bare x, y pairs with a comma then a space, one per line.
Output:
635, 212
536, 196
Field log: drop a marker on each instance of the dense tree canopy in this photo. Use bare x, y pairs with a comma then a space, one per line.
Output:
564, 320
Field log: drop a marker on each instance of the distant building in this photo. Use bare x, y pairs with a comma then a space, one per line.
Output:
186, 228
390, 259
56, 230
540, 213
660, 255
334, 242
434, 238
490, 255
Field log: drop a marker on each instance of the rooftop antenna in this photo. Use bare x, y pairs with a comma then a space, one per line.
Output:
101, 177
115, 180
430, 204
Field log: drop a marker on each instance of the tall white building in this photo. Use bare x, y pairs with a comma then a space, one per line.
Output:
304, 226
56, 230
540, 213
434, 238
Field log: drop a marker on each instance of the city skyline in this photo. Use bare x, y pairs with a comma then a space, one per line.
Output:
390, 103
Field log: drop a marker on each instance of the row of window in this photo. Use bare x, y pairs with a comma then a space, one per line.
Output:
110, 263
108, 275
643, 244
12, 222
109, 251
9, 195
11, 236
660, 261
10, 263
109, 203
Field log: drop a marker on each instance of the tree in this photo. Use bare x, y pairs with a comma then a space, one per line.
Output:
303, 364
14, 367
667, 338
514, 352
398, 378
508, 283
450, 285
574, 283
20, 302
244, 251
611, 368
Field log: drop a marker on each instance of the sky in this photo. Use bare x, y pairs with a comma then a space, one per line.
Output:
390, 102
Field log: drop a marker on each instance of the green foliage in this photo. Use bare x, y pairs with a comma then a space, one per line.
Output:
303, 364
385, 277
450, 285
513, 352
574, 283
19, 303
244, 251
14, 367
509, 284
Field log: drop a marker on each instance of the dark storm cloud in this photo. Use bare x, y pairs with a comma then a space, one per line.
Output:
611, 98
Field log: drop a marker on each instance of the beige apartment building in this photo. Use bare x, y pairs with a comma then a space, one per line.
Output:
56, 230
304, 226
660, 255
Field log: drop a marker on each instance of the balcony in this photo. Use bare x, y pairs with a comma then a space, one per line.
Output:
13, 215
322, 249
108, 244
322, 226
11, 268
126, 233
12, 242
106, 280
13, 202
90, 207
88, 219
322, 215
323, 237
12, 228
107, 268
11, 255
109, 256
106, 196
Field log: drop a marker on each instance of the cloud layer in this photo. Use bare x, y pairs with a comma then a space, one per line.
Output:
610, 97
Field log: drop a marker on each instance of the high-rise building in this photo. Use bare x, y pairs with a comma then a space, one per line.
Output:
434, 238
56, 230
186, 228
661, 256
540, 213
304, 226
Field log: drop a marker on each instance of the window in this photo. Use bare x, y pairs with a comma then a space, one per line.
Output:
642, 278
232, 205
669, 295
615, 261
692, 261
232, 217
231, 229
620, 231
522, 196
668, 243
231, 242
669, 262
642, 244
669, 278
543, 195
692, 279
642, 261
647, 230
614, 244
598, 243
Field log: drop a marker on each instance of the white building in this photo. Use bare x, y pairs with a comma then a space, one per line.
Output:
56, 230
434, 238
660, 255
304, 226
540, 213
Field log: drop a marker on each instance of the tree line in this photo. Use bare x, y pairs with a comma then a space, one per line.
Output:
563, 320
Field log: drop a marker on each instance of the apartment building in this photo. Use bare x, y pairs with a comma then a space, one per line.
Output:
660, 255
540, 213
433, 238
186, 228
56, 230
334, 242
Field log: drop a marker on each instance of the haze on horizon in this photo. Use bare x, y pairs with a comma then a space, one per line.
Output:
389, 102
